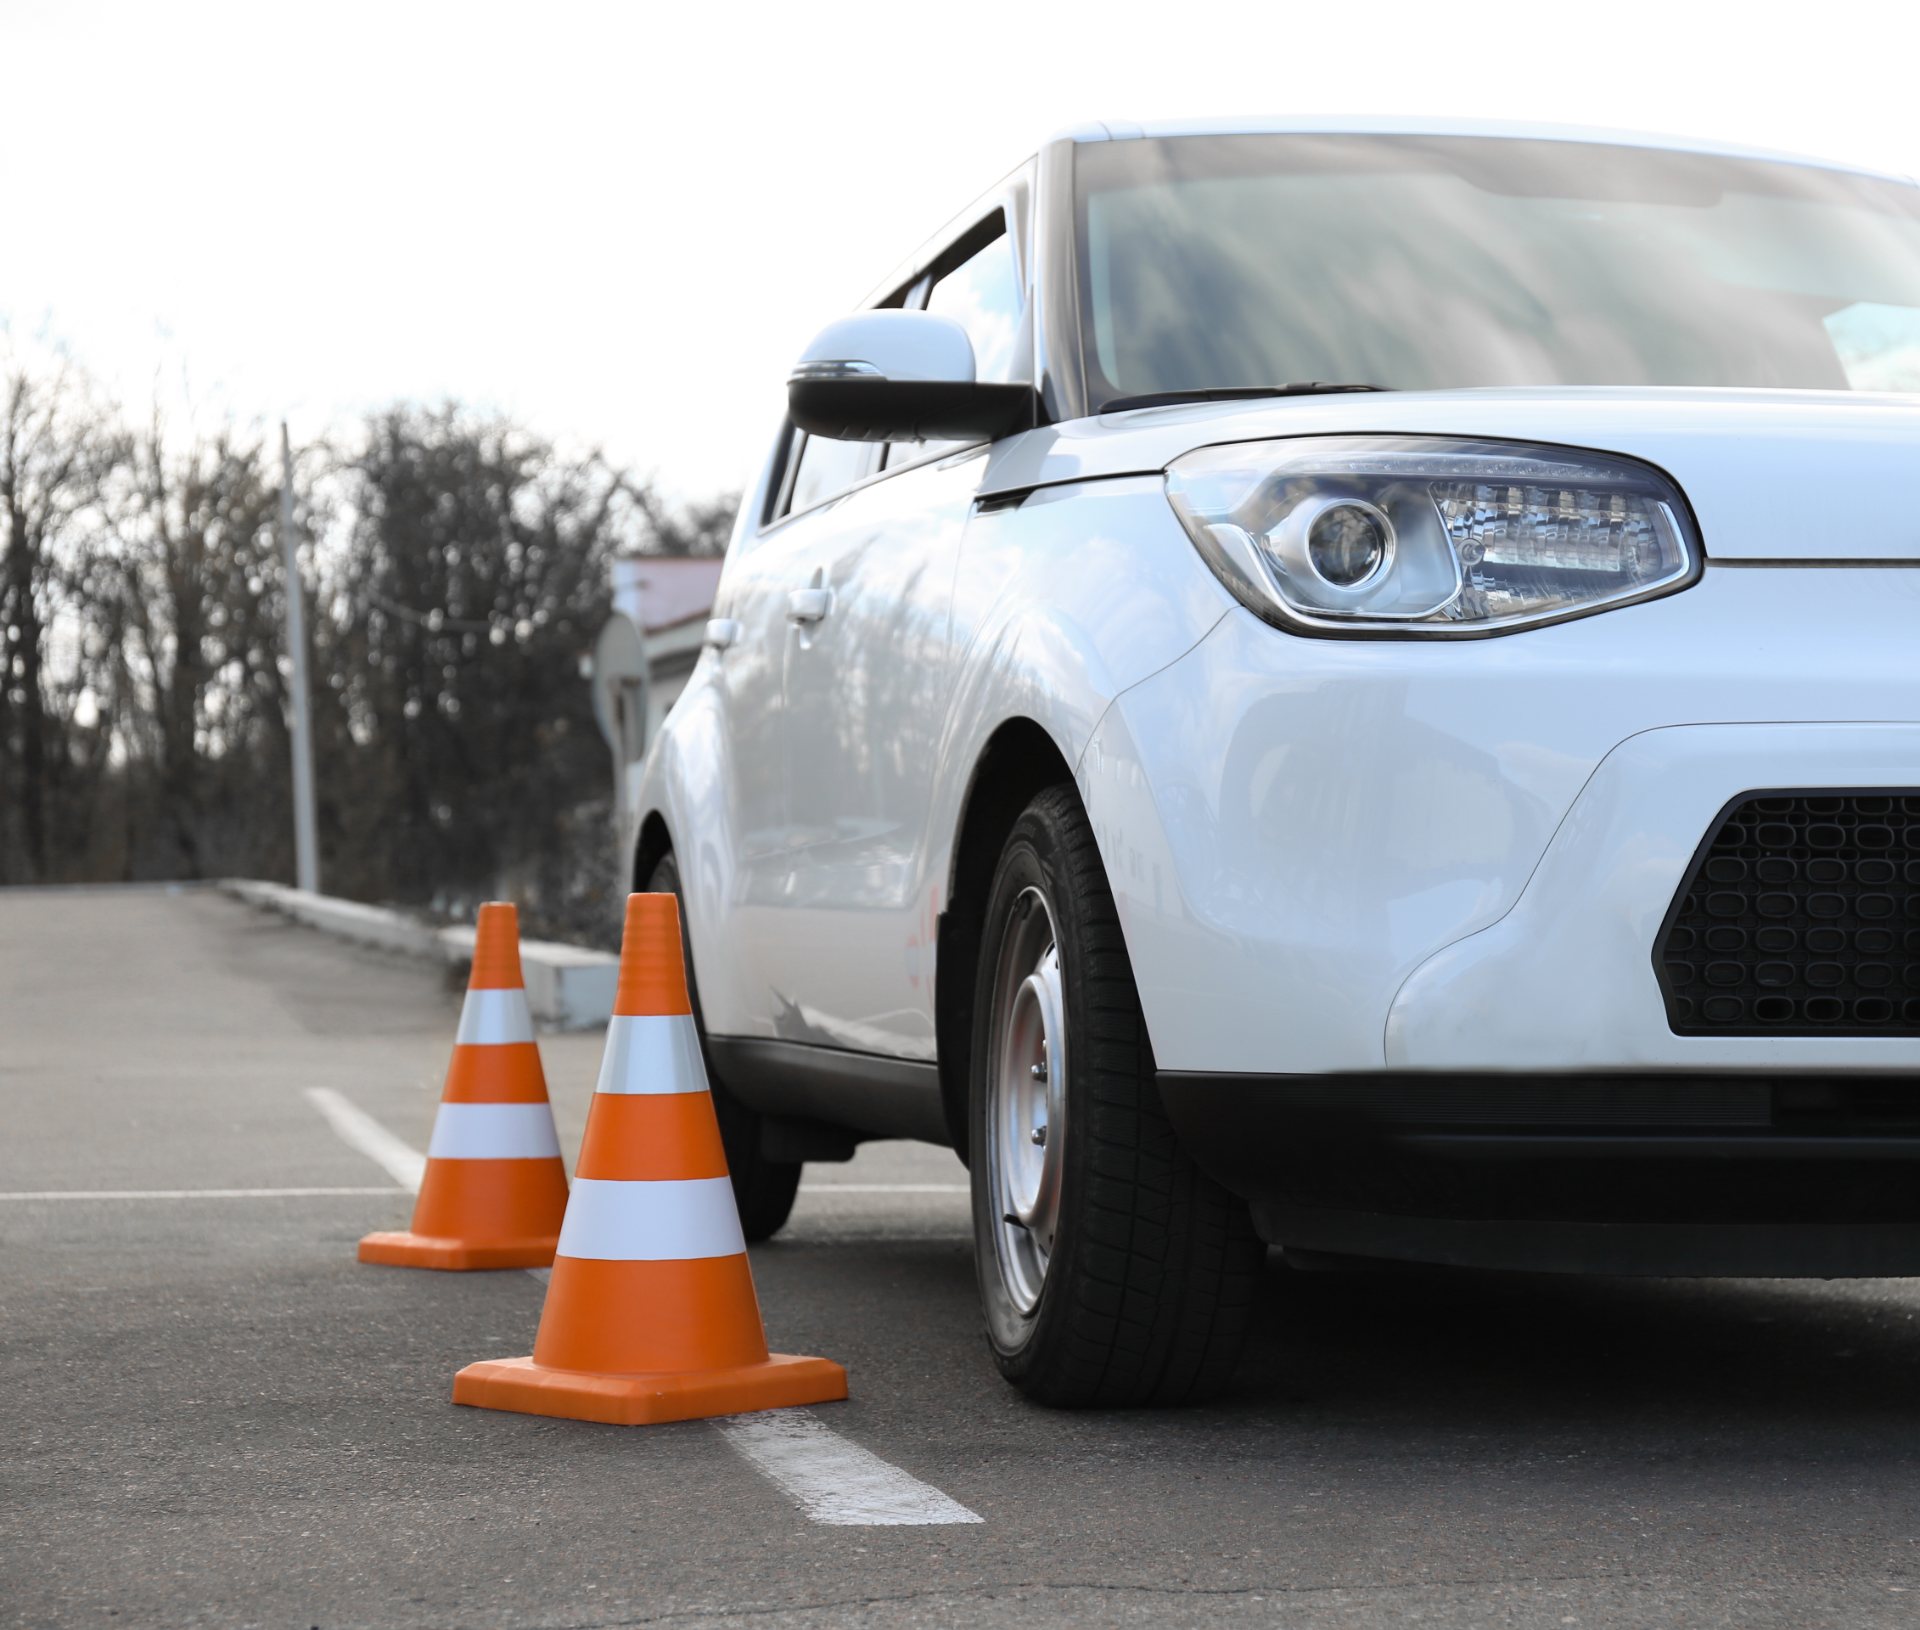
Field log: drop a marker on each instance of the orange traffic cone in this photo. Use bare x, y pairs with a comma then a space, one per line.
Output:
650, 1313
494, 1191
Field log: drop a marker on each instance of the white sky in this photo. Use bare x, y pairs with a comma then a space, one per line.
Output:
621, 223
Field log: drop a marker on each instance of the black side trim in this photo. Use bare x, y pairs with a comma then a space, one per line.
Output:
1410, 1104
1434, 1099
865, 1093
994, 502
1680, 1150
1707, 1250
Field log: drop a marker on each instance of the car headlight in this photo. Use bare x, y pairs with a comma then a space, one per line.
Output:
1427, 535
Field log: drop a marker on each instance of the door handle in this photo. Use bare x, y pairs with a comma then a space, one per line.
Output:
722, 632
808, 605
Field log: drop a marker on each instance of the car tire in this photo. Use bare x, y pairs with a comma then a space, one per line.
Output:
763, 1189
1112, 1270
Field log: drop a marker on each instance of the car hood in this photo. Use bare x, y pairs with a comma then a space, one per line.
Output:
1771, 475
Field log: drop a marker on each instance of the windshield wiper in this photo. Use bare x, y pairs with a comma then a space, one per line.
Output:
1231, 393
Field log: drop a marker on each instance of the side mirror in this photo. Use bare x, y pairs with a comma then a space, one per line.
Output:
899, 376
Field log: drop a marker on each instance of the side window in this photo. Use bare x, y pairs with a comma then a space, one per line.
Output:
825, 468
982, 294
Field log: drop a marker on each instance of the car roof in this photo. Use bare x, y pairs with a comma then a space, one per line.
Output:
1321, 124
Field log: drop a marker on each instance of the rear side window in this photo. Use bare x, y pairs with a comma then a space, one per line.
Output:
982, 294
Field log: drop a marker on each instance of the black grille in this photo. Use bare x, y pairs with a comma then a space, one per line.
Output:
1800, 916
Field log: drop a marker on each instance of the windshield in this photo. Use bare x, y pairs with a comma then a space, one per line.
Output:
1419, 263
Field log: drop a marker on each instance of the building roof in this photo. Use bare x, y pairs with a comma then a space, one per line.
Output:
675, 589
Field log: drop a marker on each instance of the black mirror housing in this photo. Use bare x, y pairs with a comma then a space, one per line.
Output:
857, 407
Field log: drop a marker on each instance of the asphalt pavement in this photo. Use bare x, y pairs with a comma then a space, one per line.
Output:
210, 1414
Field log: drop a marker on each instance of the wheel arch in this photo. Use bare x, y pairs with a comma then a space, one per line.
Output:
1019, 760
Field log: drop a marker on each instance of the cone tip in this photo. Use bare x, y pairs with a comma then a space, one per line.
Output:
653, 973
496, 948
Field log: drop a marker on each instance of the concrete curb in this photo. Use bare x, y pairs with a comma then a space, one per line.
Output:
568, 987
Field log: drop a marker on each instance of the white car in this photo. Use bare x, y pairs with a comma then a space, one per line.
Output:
1351, 686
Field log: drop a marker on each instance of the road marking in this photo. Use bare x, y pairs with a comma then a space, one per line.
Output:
188, 1194
833, 1481
883, 1188
361, 1131
374, 1141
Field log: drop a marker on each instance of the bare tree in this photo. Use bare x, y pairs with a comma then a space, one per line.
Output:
57, 448
471, 574
194, 521
459, 570
701, 528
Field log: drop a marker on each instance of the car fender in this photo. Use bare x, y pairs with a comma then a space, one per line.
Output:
1062, 602
684, 783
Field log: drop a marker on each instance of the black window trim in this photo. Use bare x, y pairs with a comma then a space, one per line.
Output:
982, 234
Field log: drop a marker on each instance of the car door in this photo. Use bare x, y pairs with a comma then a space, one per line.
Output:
752, 613
867, 664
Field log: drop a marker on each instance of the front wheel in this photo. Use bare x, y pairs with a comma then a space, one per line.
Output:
763, 1189
1112, 1270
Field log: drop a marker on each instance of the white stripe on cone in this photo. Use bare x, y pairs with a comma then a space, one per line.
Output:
494, 1018
652, 1053
494, 1132
667, 1220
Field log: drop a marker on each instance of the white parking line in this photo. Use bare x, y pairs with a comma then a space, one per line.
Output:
834, 1481
359, 1129
378, 1144
187, 1194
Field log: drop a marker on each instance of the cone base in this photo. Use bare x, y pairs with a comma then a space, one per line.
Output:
519, 1384
410, 1250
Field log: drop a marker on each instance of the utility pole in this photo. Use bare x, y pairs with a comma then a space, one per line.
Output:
306, 853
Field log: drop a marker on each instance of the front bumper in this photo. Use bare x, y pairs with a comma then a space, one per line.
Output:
1341, 857
1634, 1173
1566, 979
1393, 911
